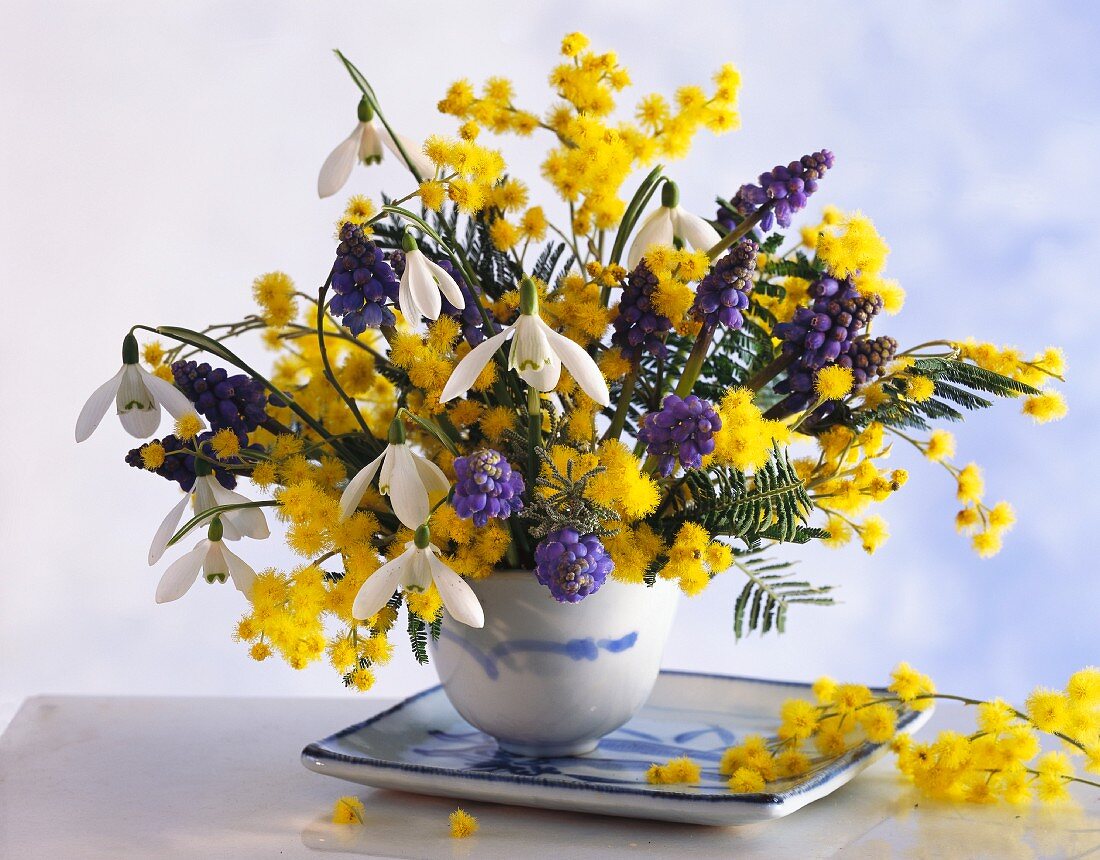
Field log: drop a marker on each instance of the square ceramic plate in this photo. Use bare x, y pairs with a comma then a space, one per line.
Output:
422, 745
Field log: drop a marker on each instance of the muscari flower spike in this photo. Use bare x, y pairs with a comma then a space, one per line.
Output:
415, 570
422, 283
639, 328
571, 565
487, 487
671, 221
180, 462
208, 493
364, 144
682, 430
403, 475
724, 292
537, 354
212, 558
787, 188
138, 396
236, 402
363, 281
823, 332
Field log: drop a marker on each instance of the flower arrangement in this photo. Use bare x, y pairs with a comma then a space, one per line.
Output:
635, 392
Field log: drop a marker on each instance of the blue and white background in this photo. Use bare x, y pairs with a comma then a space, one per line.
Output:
155, 157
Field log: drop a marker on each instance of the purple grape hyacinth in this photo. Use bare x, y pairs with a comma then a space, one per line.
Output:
572, 565
821, 333
362, 281
788, 188
724, 292
235, 402
469, 317
867, 358
683, 429
638, 327
487, 487
179, 461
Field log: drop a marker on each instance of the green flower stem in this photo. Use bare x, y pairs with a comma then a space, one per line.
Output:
534, 433
694, 365
619, 420
435, 429
329, 374
367, 90
203, 516
200, 341
766, 374
740, 230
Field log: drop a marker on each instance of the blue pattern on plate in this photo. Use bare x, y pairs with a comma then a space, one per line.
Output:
575, 649
423, 745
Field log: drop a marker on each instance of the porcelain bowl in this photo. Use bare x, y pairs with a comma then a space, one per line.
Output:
547, 678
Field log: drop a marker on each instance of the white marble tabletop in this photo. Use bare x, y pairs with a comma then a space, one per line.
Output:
110, 777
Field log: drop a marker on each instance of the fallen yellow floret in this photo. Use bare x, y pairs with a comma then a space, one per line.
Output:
462, 824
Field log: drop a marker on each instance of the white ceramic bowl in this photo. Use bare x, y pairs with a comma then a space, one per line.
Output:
547, 678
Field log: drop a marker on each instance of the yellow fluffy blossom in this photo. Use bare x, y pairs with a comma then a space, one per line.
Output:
1046, 406
188, 426
940, 446
834, 382
853, 246
274, 293
676, 771
348, 810
152, 455
462, 824
225, 443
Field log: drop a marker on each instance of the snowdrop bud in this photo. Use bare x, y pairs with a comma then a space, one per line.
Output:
408, 243
215, 532
423, 537
129, 349
528, 297
202, 468
396, 434
670, 195
366, 112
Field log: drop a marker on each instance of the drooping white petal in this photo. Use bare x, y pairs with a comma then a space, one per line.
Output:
422, 285
250, 522
182, 573
406, 299
379, 587
337, 167
654, 230
408, 497
97, 405
580, 364
137, 410
370, 144
431, 476
458, 597
468, 370
694, 230
167, 395
422, 164
531, 356
417, 575
167, 529
447, 285
240, 572
357, 486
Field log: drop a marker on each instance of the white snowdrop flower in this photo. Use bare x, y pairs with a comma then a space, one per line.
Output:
364, 144
671, 221
216, 563
138, 396
208, 493
422, 282
415, 570
404, 476
537, 354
